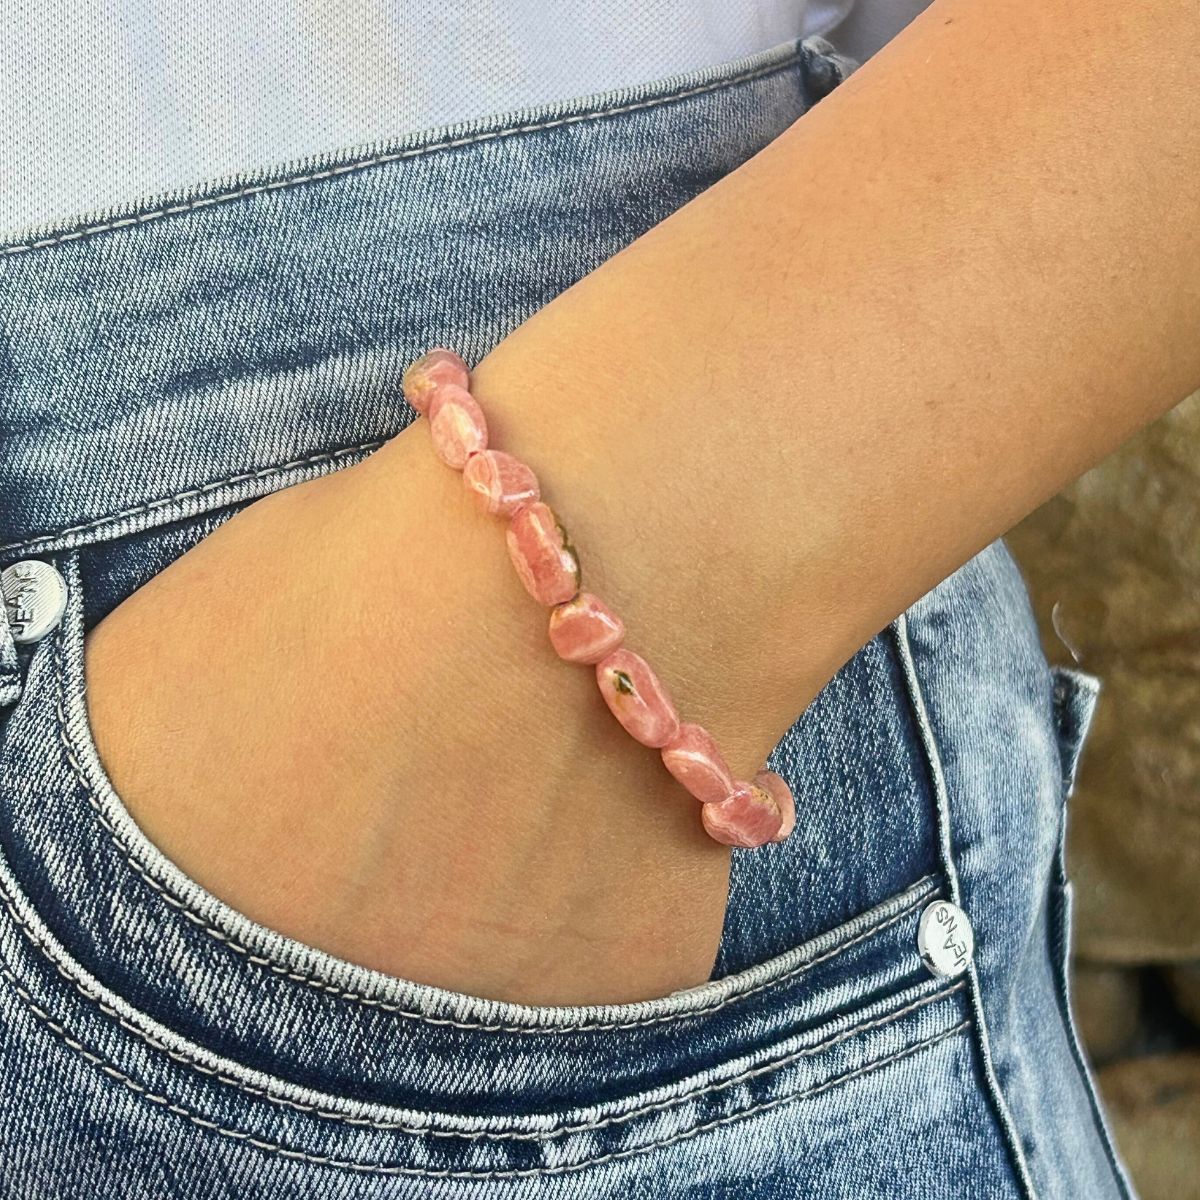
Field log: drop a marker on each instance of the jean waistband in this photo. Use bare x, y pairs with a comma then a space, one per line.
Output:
218, 344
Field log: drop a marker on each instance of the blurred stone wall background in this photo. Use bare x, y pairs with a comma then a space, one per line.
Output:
1113, 565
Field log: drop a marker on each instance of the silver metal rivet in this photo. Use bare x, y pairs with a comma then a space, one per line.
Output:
945, 939
35, 597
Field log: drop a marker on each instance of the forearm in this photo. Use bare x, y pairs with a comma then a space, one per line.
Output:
769, 425
814, 391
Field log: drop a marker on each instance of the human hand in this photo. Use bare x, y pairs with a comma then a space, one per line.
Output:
340, 714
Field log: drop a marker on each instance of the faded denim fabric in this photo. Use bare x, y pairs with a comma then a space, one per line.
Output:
163, 368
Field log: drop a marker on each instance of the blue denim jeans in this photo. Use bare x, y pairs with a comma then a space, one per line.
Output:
163, 368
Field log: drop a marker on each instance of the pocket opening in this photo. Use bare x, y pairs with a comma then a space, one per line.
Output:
295, 961
130, 947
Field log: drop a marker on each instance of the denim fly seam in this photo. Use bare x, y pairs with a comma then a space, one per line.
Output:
10, 667
1003, 744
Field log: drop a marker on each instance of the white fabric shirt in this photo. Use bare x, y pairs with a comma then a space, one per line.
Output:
111, 102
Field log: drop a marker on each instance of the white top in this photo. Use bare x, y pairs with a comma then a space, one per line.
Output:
109, 102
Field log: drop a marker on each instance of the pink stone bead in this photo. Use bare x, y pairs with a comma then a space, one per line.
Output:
584, 629
693, 757
500, 482
637, 698
782, 795
544, 558
429, 372
749, 816
456, 424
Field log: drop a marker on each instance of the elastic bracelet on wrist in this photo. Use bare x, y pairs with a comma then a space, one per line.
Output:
583, 629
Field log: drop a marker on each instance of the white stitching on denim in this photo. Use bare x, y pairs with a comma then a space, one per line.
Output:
287, 972
393, 156
397, 1009
500, 1134
941, 794
189, 493
377, 1168
387, 1006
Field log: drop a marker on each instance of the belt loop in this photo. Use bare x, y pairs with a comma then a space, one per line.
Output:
823, 66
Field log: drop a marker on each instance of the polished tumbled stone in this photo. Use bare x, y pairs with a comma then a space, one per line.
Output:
544, 558
429, 372
456, 424
500, 483
637, 698
584, 629
748, 817
694, 758
778, 787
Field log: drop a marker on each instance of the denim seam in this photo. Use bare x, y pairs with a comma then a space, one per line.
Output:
330, 456
1062, 981
143, 218
1064, 679
288, 972
499, 1134
377, 1168
399, 1010
933, 759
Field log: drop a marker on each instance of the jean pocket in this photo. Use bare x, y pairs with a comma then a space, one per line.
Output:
177, 1001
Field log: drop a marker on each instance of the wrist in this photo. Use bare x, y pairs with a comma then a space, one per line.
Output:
671, 535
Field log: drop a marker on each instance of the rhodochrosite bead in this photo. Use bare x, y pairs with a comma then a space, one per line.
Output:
693, 758
500, 482
782, 795
748, 816
585, 629
636, 697
429, 372
544, 558
456, 424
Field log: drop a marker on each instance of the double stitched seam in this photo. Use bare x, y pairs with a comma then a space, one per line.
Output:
941, 792
1060, 965
378, 1168
512, 1133
920, 887
190, 493
312, 981
395, 156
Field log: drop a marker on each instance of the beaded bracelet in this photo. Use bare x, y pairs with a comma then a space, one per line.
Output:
583, 629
